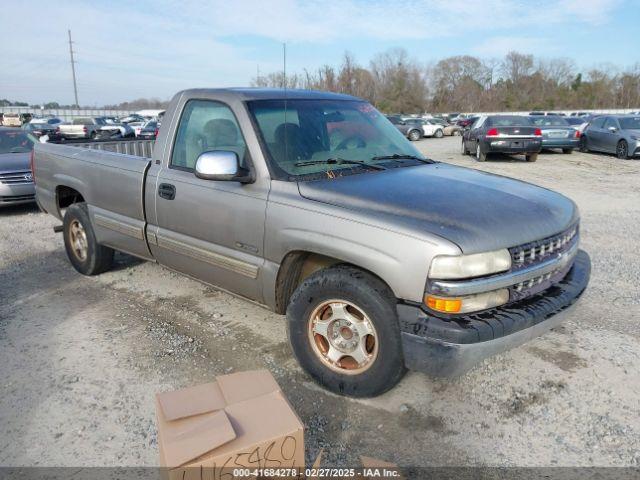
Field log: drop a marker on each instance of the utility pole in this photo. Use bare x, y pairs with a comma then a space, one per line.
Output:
73, 70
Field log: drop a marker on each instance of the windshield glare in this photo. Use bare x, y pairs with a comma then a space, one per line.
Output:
15, 142
319, 130
630, 123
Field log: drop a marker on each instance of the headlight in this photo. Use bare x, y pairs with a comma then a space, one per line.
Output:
468, 266
468, 303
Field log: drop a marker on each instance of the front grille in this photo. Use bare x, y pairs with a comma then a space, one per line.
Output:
537, 252
17, 198
540, 250
16, 178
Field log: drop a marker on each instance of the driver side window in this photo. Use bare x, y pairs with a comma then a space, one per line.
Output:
206, 125
610, 122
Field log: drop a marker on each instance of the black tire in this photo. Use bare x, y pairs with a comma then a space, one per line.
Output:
97, 258
583, 144
531, 157
438, 134
93, 135
351, 285
622, 150
567, 151
414, 135
480, 155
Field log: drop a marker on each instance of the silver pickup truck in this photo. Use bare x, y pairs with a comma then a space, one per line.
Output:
314, 205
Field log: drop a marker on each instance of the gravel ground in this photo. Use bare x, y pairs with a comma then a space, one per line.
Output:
80, 358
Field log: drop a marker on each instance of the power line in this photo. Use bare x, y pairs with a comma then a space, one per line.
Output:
73, 69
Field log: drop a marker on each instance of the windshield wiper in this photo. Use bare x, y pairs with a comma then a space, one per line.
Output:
398, 156
339, 161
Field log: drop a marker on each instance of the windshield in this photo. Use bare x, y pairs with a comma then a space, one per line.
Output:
15, 142
550, 121
310, 132
629, 123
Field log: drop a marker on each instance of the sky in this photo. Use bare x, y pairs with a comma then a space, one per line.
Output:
154, 48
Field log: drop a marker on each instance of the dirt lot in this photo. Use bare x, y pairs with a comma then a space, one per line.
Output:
80, 358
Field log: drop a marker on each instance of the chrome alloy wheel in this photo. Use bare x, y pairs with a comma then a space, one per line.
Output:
343, 337
78, 238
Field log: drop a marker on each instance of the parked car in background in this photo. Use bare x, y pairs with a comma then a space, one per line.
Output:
618, 134
82, 128
149, 131
579, 123
112, 131
466, 122
429, 127
557, 133
412, 131
510, 134
53, 121
11, 120
16, 179
134, 117
41, 129
137, 126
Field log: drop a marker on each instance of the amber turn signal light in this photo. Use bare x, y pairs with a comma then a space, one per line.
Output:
446, 305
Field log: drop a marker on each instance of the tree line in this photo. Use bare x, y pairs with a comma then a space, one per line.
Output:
394, 82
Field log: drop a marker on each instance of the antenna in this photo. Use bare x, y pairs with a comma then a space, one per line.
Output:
284, 65
73, 70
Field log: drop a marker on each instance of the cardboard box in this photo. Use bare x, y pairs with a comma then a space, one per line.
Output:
240, 420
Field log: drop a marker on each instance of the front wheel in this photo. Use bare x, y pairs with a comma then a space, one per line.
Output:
622, 150
531, 157
85, 254
343, 328
415, 135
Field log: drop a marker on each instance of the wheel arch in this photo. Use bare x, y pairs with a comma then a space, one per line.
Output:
67, 195
300, 264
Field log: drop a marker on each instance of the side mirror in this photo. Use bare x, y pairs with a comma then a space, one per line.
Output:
221, 165
613, 129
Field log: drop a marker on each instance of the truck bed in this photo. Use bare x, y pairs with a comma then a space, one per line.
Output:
102, 177
139, 148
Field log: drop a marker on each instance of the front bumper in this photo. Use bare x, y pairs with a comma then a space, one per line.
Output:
17, 194
448, 347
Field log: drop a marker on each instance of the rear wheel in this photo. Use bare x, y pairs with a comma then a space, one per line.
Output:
583, 144
480, 155
531, 157
567, 150
85, 254
415, 135
438, 134
622, 149
343, 329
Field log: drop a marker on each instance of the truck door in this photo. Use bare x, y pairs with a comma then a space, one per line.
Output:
211, 230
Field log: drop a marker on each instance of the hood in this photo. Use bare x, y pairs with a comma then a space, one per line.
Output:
15, 162
477, 211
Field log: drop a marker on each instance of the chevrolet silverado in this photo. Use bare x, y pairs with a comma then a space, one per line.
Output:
314, 205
